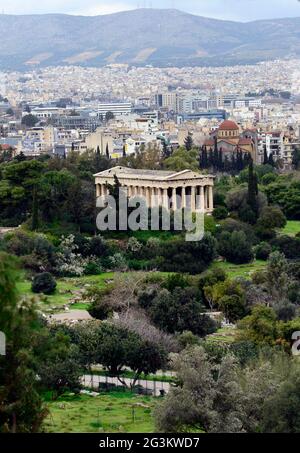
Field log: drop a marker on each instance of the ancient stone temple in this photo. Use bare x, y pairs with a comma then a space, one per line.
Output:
172, 190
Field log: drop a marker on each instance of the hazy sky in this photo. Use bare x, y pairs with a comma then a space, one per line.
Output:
224, 9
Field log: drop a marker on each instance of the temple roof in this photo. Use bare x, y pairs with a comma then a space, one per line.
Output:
155, 175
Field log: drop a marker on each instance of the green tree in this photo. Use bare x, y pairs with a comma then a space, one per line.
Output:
107, 151
35, 210
281, 411
296, 158
21, 407
252, 189
260, 327
272, 217
29, 120
120, 348
188, 142
182, 159
235, 247
180, 310
109, 116
44, 283
266, 157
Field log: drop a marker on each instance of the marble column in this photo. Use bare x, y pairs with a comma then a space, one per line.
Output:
98, 190
165, 199
206, 197
202, 199
148, 196
183, 198
210, 198
193, 198
153, 197
159, 196
174, 199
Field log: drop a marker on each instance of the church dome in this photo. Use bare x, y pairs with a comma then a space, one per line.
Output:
228, 125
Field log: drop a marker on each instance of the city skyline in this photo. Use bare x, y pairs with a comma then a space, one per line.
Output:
238, 10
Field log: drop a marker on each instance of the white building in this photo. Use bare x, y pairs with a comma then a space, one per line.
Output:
121, 108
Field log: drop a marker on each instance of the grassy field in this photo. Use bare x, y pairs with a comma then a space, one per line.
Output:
69, 289
292, 228
66, 290
223, 335
116, 412
240, 270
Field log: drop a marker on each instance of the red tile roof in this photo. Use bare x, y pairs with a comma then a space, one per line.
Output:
245, 141
6, 147
228, 125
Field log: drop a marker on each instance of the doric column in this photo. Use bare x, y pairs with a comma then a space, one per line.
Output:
193, 199
183, 198
205, 198
210, 198
174, 199
98, 190
153, 197
202, 199
159, 196
148, 196
165, 202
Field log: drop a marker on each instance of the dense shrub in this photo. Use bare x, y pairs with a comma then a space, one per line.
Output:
268, 178
44, 283
220, 213
263, 251
232, 225
235, 247
237, 198
188, 257
272, 217
93, 268
285, 194
287, 245
179, 311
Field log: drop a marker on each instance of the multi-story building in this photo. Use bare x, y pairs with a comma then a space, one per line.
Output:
117, 108
281, 144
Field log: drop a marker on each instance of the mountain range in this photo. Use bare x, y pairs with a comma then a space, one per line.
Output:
157, 37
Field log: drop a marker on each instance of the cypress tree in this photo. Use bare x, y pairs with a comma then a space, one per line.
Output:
204, 157
266, 159
35, 210
220, 160
216, 153
233, 163
252, 188
107, 151
98, 160
188, 142
210, 158
271, 160
226, 164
